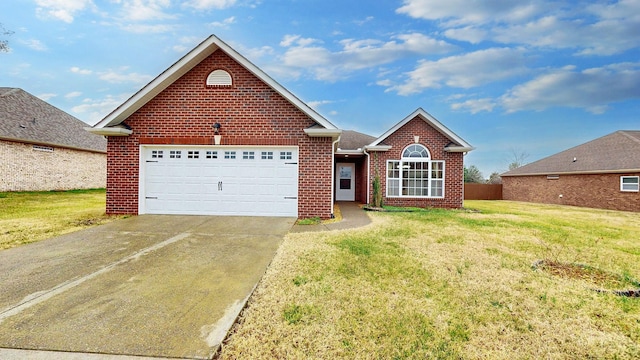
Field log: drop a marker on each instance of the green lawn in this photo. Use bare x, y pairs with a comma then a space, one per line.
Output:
27, 217
442, 284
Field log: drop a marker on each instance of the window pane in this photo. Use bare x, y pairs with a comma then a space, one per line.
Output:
436, 187
393, 187
630, 183
393, 169
437, 170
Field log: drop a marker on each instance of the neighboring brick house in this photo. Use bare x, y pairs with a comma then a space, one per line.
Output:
43, 148
603, 173
213, 134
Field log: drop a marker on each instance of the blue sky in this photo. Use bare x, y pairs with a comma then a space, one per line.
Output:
533, 77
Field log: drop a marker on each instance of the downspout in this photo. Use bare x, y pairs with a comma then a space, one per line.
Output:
364, 150
463, 155
333, 173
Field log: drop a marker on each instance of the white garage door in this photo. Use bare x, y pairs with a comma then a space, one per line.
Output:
209, 180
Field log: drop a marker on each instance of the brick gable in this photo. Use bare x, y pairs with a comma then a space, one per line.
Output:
435, 142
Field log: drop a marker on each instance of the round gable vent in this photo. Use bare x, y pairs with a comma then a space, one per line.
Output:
219, 78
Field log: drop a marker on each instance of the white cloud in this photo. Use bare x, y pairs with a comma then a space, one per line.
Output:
144, 10
317, 103
596, 29
73, 94
475, 106
366, 20
47, 96
297, 40
328, 65
591, 89
120, 76
93, 110
63, 10
77, 70
256, 53
147, 29
471, 34
34, 44
209, 4
464, 12
604, 37
465, 71
224, 23
186, 43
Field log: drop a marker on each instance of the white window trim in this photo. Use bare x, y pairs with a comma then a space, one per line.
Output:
637, 188
429, 179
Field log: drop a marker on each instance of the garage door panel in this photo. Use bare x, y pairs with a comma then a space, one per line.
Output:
210, 181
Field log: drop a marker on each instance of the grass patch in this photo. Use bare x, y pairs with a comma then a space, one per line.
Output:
451, 284
27, 217
309, 221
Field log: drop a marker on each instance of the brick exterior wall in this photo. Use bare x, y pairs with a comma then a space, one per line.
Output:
361, 180
435, 142
250, 112
589, 190
24, 169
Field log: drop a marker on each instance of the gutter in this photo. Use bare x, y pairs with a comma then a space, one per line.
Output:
364, 150
54, 145
458, 149
110, 131
332, 133
333, 172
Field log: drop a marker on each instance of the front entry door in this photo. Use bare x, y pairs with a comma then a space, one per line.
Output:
345, 182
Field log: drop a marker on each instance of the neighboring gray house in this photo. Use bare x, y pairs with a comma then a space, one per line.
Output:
602, 173
44, 148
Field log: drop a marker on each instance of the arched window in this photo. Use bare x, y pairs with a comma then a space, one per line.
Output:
415, 174
415, 151
219, 78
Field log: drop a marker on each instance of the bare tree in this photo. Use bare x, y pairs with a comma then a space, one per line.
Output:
4, 44
517, 158
494, 178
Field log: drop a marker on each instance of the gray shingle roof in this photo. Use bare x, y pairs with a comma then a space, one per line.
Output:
353, 140
26, 118
616, 152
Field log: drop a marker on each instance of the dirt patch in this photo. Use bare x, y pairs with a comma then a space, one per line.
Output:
603, 281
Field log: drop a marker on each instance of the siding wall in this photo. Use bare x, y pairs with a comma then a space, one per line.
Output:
24, 169
435, 142
250, 112
595, 191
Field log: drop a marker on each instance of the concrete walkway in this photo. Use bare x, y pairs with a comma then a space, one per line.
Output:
146, 286
353, 216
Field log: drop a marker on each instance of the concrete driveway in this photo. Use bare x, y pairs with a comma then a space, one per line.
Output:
150, 285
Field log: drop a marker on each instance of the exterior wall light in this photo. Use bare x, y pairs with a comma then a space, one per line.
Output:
216, 130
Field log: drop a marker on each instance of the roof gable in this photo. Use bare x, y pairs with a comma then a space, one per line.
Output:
615, 152
458, 144
188, 62
26, 118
